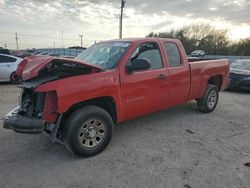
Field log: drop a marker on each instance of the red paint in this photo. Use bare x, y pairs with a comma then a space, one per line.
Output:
39, 62
21, 66
137, 93
50, 107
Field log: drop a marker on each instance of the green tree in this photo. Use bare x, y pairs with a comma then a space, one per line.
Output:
241, 47
205, 37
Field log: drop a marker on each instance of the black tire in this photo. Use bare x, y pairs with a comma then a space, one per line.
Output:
208, 102
74, 128
13, 78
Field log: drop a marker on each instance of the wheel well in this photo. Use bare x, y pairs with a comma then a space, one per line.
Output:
12, 73
215, 80
106, 103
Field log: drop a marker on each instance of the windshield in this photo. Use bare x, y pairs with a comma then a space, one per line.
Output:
105, 55
244, 65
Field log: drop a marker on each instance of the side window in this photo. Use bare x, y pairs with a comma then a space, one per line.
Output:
1, 58
6, 59
174, 57
150, 52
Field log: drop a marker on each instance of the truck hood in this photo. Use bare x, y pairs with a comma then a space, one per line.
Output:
40, 63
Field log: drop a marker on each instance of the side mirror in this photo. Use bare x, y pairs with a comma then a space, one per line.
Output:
138, 64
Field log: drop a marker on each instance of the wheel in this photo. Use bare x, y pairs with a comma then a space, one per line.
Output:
88, 131
209, 101
13, 78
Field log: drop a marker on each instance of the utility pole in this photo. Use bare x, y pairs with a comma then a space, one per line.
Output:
54, 45
81, 35
121, 16
62, 39
16, 41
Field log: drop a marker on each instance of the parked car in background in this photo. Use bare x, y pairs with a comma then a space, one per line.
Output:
239, 77
191, 59
8, 65
53, 55
43, 53
198, 53
4, 51
37, 52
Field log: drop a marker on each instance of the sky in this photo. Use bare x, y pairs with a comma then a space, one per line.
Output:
46, 23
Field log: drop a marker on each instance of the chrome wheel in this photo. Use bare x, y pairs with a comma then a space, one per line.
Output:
92, 134
212, 99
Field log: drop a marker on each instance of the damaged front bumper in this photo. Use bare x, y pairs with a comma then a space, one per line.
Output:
23, 124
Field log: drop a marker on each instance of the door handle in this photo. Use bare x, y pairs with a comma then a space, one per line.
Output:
161, 77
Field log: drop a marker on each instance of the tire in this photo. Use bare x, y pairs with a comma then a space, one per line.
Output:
13, 78
88, 131
208, 102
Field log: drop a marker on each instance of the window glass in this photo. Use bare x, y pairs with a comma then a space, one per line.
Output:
105, 55
6, 59
174, 57
150, 52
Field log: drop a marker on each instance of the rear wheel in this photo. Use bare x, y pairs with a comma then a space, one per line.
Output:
88, 131
13, 78
210, 99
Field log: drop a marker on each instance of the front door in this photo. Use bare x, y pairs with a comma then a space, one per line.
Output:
145, 91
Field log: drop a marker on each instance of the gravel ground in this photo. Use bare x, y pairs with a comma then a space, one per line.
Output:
152, 151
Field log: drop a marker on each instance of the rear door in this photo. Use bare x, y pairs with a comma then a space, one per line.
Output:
179, 74
7, 66
144, 91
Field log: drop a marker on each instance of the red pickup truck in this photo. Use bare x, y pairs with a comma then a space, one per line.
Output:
77, 102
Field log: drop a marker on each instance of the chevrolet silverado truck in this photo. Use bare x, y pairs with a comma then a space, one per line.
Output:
77, 102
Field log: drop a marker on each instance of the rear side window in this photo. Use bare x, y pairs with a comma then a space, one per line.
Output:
174, 57
6, 59
150, 52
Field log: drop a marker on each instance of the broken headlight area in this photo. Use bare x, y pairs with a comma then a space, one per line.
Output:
31, 104
35, 111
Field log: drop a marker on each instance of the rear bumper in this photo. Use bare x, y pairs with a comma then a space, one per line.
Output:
23, 124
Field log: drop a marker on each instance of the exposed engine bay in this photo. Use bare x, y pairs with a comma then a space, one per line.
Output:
64, 69
34, 104
31, 104
55, 70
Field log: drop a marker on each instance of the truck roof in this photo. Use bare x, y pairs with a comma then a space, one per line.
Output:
140, 39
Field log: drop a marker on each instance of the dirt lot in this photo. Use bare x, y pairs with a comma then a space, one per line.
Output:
153, 151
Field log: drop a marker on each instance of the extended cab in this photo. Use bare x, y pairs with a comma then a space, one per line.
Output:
77, 102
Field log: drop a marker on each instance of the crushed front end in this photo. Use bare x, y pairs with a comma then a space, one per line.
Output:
38, 108
29, 116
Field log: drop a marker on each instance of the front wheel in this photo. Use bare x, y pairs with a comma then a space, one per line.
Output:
209, 101
88, 131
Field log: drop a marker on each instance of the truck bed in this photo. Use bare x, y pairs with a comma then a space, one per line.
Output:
201, 70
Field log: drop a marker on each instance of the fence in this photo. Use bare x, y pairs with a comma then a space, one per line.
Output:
61, 51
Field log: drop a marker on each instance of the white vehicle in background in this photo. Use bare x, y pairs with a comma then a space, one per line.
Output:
198, 53
8, 65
